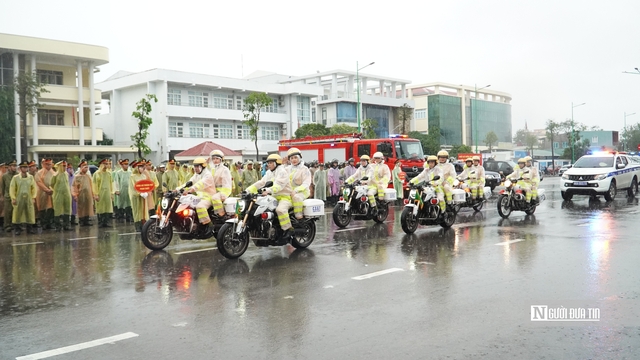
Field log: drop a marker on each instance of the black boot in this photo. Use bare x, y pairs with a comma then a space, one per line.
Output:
107, 219
102, 220
84, 221
57, 220
50, 218
128, 214
17, 229
31, 229
138, 226
65, 222
73, 220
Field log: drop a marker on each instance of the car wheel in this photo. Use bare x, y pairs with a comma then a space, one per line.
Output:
633, 190
611, 194
566, 196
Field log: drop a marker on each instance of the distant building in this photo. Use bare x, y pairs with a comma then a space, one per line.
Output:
463, 114
57, 130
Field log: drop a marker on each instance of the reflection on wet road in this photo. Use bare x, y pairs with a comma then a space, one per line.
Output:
368, 290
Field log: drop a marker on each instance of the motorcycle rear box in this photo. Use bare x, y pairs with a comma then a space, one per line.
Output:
390, 194
458, 196
487, 192
313, 207
541, 195
230, 204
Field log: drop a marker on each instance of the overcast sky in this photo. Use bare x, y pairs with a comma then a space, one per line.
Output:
546, 54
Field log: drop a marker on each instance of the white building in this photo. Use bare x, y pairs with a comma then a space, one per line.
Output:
193, 108
57, 130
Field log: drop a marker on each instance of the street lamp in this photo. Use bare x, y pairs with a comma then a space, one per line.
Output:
624, 148
473, 116
358, 84
573, 155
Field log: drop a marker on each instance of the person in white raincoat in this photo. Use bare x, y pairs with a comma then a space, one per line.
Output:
300, 181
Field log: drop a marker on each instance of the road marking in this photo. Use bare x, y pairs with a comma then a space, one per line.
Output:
31, 243
377, 273
510, 242
134, 233
425, 263
81, 346
288, 297
357, 228
585, 224
192, 251
84, 238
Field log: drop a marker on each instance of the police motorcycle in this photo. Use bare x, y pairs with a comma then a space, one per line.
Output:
512, 198
462, 193
177, 213
256, 220
354, 203
422, 208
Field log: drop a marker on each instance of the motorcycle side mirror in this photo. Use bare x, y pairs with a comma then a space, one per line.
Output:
437, 177
268, 184
365, 178
188, 184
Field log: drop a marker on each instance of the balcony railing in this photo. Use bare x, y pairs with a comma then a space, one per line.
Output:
212, 106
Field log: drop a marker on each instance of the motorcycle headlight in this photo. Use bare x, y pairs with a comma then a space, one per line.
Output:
165, 203
241, 205
599, 177
346, 192
507, 183
456, 182
412, 194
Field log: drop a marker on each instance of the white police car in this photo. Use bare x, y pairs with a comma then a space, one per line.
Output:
603, 173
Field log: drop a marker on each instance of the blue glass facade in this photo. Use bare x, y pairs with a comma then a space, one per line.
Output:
379, 114
346, 113
445, 112
486, 116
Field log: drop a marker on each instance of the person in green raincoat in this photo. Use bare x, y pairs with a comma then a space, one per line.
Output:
103, 189
153, 199
139, 204
116, 197
82, 192
61, 197
171, 177
249, 175
235, 179
124, 201
183, 173
44, 201
159, 174
5, 186
320, 183
398, 181
23, 191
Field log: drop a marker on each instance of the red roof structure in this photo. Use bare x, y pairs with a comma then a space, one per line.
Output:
205, 148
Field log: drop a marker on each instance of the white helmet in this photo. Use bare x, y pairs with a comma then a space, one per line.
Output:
378, 155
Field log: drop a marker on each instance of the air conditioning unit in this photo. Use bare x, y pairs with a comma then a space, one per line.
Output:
281, 103
313, 103
281, 98
284, 126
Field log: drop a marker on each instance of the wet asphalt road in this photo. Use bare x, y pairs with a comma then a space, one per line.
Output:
465, 292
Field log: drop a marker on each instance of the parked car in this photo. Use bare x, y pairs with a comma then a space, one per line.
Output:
505, 168
491, 178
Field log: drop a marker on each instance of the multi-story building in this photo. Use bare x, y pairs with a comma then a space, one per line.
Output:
464, 114
379, 99
64, 125
193, 108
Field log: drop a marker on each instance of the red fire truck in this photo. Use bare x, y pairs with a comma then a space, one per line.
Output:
345, 146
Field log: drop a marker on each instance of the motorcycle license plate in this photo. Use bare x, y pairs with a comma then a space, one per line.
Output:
580, 183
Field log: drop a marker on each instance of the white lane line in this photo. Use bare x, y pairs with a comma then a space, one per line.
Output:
192, 251
84, 238
356, 228
81, 346
509, 242
377, 273
31, 243
134, 233
585, 224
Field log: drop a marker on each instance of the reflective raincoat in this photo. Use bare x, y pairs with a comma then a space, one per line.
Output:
61, 192
172, 179
123, 186
82, 189
103, 187
397, 182
320, 182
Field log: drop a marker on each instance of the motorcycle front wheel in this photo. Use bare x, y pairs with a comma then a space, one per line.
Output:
531, 210
152, 240
504, 208
479, 206
408, 220
304, 235
341, 217
449, 219
230, 244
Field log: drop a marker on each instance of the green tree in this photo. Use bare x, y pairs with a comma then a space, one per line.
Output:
576, 144
552, 131
342, 129
520, 137
369, 127
530, 141
404, 114
29, 88
7, 124
253, 104
430, 142
631, 137
141, 114
105, 140
491, 139
459, 149
311, 130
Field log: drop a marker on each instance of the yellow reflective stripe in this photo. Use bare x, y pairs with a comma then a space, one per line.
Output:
276, 188
225, 191
199, 186
298, 203
252, 189
283, 197
217, 206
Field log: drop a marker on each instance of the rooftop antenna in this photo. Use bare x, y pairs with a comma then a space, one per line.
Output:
242, 64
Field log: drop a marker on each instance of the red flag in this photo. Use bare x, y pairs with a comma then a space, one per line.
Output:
73, 115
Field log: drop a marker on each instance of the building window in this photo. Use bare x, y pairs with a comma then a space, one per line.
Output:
364, 149
50, 77
270, 133
313, 115
222, 131
174, 97
304, 110
176, 129
198, 130
222, 101
244, 132
556, 145
324, 116
51, 117
346, 113
564, 145
239, 102
594, 140
273, 108
6, 69
198, 99
420, 113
